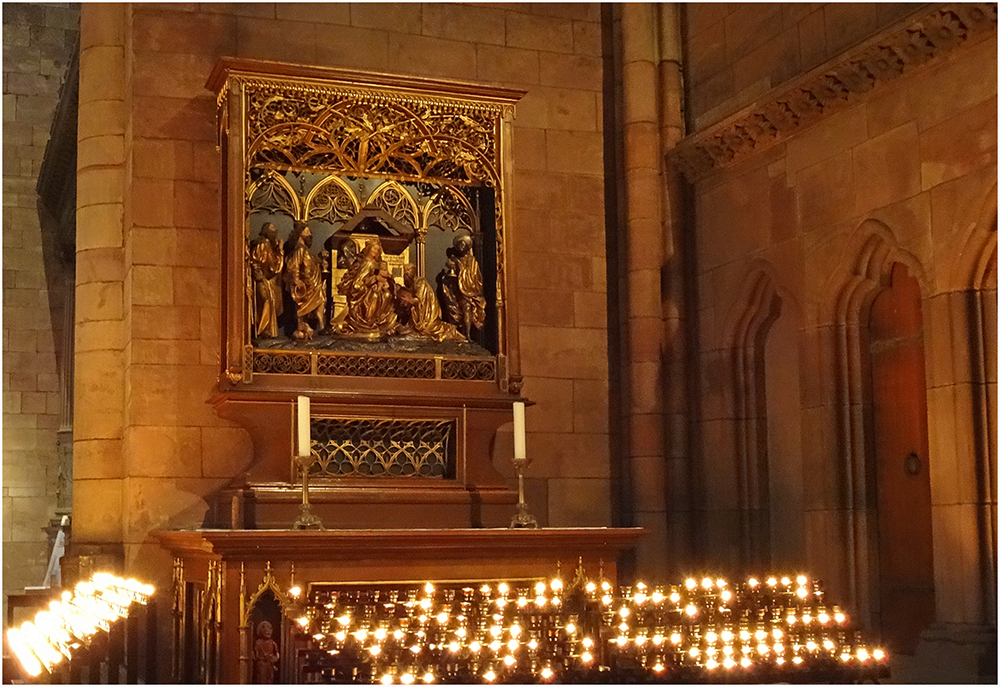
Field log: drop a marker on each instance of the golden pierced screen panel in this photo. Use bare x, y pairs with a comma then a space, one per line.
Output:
382, 448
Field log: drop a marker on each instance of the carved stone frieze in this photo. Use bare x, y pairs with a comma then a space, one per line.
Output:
801, 101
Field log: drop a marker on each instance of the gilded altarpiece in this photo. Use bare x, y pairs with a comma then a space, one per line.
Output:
366, 233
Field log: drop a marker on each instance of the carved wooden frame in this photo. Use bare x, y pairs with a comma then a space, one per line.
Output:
289, 117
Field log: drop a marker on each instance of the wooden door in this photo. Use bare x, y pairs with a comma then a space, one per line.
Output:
899, 401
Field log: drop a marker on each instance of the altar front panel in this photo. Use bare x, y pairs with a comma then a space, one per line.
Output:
220, 574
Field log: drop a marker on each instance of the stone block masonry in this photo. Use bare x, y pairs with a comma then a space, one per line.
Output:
151, 217
37, 44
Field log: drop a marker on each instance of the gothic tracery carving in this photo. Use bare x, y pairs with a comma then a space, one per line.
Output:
364, 133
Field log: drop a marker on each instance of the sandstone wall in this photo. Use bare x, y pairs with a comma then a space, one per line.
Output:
37, 41
149, 236
909, 170
736, 52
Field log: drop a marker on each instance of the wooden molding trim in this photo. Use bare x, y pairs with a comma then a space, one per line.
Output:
436, 544
335, 77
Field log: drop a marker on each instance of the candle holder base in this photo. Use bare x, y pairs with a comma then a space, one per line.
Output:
307, 520
523, 519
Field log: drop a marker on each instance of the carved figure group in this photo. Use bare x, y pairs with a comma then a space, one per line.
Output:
424, 313
370, 291
376, 305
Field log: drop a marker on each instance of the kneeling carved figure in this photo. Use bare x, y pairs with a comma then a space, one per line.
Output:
417, 300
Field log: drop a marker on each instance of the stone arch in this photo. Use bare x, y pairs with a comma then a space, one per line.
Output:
967, 265
985, 234
875, 251
751, 322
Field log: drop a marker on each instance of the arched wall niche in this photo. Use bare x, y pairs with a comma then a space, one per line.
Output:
870, 261
968, 264
763, 338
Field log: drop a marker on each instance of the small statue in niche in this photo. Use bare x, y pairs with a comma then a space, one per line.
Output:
423, 313
460, 287
267, 256
265, 655
370, 291
304, 282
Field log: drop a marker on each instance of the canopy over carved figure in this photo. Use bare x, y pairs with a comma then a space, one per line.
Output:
393, 235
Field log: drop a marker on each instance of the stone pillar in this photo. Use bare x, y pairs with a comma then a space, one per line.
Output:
100, 314
676, 415
644, 260
64, 436
961, 329
38, 40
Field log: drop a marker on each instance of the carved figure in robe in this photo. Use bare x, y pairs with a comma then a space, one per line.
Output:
304, 282
345, 257
460, 287
370, 291
267, 257
265, 655
423, 314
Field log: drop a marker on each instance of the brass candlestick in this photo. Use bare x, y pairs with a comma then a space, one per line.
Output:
307, 520
522, 518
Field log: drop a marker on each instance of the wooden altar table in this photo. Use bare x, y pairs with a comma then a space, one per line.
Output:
220, 574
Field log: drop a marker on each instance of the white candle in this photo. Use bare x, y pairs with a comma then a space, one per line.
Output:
519, 448
305, 442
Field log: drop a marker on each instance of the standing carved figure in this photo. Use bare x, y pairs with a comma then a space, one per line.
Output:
265, 655
267, 256
345, 256
460, 284
424, 313
370, 292
304, 282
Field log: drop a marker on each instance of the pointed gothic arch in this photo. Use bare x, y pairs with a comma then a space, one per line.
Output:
751, 323
875, 252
